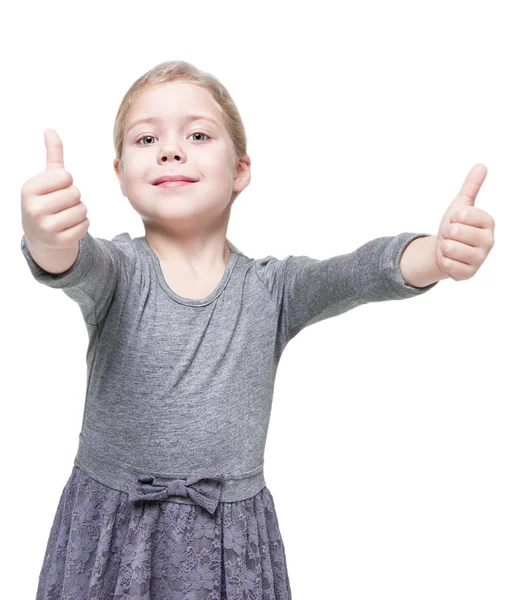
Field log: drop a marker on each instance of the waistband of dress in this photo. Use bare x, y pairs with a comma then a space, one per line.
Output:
199, 486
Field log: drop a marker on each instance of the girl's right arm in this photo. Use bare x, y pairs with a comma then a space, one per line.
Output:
53, 261
52, 215
59, 250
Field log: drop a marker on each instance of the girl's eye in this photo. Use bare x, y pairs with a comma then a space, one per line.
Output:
152, 136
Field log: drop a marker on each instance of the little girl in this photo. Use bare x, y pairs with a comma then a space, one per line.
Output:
167, 498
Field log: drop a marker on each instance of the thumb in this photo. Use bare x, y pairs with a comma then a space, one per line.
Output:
54, 150
471, 186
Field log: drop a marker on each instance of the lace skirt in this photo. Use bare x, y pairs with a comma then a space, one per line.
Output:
103, 547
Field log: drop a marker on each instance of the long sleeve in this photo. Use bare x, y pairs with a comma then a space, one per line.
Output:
102, 267
306, 290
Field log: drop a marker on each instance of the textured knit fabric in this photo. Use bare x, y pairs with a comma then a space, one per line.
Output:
177, 408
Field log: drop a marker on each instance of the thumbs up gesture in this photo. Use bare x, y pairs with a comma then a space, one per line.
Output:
465, 236
52, 214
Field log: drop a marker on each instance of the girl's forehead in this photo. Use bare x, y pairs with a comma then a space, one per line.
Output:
175, 97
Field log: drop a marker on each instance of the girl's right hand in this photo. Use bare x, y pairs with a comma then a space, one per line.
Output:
52, 214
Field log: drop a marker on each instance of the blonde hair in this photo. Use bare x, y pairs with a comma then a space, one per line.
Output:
179, 70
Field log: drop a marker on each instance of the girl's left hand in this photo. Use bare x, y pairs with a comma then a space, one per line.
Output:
465, 236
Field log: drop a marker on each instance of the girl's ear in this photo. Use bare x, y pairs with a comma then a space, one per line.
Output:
117, 169
243, 176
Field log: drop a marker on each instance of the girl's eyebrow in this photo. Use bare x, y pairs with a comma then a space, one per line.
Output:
159, 120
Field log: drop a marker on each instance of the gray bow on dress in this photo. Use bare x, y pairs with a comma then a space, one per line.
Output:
205, 490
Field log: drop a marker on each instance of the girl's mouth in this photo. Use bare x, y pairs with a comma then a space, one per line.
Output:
174, 184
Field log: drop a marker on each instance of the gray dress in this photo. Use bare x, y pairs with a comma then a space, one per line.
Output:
167, 499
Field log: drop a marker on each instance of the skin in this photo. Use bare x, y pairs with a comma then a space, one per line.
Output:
462, 244
185, 226
466, 233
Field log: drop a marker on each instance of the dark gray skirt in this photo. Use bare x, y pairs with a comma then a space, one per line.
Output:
103, 547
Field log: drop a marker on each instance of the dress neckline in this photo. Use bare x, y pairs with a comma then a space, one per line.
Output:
182, 299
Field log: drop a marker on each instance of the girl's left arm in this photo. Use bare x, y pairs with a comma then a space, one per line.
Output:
418, 265
463, 241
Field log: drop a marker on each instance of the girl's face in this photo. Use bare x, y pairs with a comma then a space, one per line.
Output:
161, 139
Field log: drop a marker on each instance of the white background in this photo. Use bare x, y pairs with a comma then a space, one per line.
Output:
389, 453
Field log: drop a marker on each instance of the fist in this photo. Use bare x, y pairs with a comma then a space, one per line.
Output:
466, 233
52, 214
